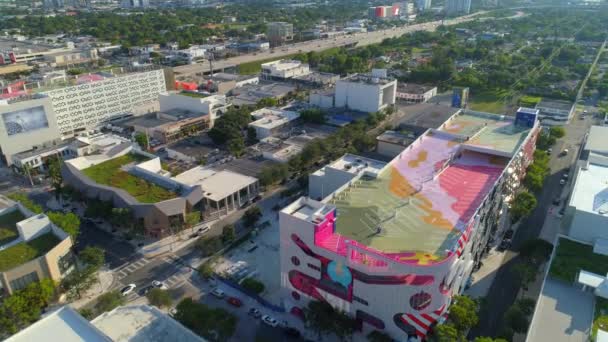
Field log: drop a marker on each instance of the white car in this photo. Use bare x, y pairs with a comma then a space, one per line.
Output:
562, 182
270, 321
127, 289
218, 293
159, 284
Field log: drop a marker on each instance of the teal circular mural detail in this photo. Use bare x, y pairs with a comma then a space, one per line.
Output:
339, 273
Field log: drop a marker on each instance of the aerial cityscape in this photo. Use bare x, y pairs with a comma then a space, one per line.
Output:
292, 170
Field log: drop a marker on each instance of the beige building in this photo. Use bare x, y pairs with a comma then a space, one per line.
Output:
38, 250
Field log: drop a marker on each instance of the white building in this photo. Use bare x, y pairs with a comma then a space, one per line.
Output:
270, 121
212, 105
192, 53
284, 69
415, 93
324, 98
365, 93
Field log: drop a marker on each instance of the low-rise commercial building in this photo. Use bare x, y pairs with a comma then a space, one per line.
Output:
415, 93
279, 33
365, 93
271, 121
391, 243
555, 112
210, 105
284, 69
222, 83
37, 250
252, 94
171, 126
124, 323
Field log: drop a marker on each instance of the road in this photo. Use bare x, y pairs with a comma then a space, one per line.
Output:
503, 292
358, 39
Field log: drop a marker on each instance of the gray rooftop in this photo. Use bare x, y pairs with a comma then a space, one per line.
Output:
426, 115
556, 104
413, 88
597, 140
395, 138
563, 313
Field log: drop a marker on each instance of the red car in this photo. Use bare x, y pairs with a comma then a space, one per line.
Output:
234, 301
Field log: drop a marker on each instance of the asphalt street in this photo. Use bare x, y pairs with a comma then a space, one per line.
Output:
504, 289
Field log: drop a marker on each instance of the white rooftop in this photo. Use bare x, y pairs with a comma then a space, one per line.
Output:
597, 140
283, 64
275, 119
143, 323
65, 325
590, 191
216, 185
355, 165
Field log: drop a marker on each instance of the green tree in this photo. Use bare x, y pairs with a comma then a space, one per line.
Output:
253, 285
159, 298
463, 313
446, 332
236, 146
77, 282
121, 217
557, 132
206, 270
379, 336
252, 136
69, 223
228, 233
25, 306
108, 301
87, 313
525, 272
54, 167
142, 141
210, 323
522, 205
209, 246
252, 216
193, 218
516, 319
319, 317
92, 257
315, 116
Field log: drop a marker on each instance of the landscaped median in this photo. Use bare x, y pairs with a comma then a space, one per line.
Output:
110, 173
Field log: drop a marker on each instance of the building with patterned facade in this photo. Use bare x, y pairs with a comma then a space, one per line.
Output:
391, 243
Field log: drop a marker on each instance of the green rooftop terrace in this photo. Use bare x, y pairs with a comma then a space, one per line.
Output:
111, 173
27, 251
571, 257
8, 226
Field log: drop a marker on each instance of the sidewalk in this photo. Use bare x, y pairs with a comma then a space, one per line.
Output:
104, 284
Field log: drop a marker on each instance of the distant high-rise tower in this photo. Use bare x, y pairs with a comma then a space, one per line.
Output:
456, 7
423, 5
54, 4
279, 32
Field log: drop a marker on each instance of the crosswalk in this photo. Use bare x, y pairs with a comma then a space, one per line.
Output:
125, 271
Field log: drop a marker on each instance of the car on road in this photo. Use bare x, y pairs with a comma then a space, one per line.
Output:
254, 312
218, 293
562, 182
127, 289
270, 321
565, 175
549, 151
159, 284
234, 302
565, 152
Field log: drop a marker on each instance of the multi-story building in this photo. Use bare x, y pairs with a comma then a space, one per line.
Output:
391, 243
457, 7
366, 93
37, 118
415, 93
423, 5
135, 3
279, 33
284, 69
270, 121
39, 249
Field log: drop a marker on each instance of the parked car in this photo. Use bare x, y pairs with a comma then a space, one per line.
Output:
218, 293
254, 312
562, 182
159, 284
234, 302
565, 152
549, 150
127, 289
565, 175
270, 321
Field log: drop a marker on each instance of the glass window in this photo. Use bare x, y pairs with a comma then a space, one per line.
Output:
19, 283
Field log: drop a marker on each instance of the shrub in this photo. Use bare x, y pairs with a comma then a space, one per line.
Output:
253, 285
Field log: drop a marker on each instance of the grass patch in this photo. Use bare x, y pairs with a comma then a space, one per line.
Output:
24, 252
488, 101
529, 101
196, 95
8, 226
110, 173
255, 67
571, 257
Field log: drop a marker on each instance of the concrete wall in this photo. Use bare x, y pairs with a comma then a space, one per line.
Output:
365, 97
588, 226
321, 100
322, 185
21, 142
34, 226
388, 149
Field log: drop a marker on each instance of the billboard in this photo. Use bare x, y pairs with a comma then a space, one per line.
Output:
25, 120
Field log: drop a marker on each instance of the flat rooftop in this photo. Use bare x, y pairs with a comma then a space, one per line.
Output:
419, 202
367, 78
64, 322
590, 191
396, 138
143, 323
563, 313
496, 132
556, 104
413, 88
216, 185
426, 115
597, 140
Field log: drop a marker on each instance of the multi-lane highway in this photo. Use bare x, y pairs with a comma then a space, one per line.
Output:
360, 39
